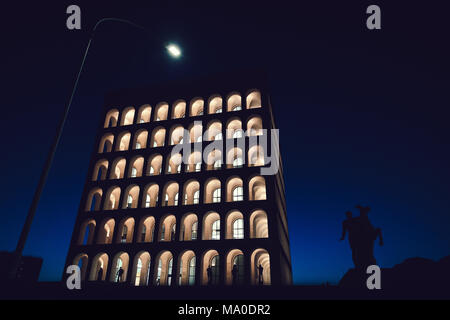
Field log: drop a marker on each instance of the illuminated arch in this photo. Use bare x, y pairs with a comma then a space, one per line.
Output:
111, 118
144, 114
161, 111
253, 100
127, 116
99, 267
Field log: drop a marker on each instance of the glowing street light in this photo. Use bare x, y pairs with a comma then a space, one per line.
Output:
174, 50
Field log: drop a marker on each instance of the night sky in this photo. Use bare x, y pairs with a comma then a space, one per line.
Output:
363, 115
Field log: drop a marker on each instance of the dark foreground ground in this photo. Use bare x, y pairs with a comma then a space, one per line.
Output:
58, 291
414, 278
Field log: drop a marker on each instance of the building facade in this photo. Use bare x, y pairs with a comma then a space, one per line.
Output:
175, 195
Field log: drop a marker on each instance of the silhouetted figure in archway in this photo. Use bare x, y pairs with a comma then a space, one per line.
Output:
361, 235
260, 275
100, 274
119, 275
235, 274
209, 274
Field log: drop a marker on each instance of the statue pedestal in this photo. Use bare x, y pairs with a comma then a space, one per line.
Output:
354, 279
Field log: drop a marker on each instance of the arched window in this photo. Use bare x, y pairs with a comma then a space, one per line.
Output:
172, 232
214, 131
192, 271
119, 265
158, 137
234, 102
215, 270
143, 233
111, 118
123, 141
254, 126
257, 188
260, 258
140, 139
196, 197
127, 116
163, 232
217, 164
106, 143
166, 200
258, 224
187, 262
170, 193
238, 229
126, 231
118, 168
197, 107
256, 156
238, 162
238, 262
191, 192
174, 163
154, 166
217, 195
158, 276
194, 231
138, 272
146, 229
144, 114
254, 100
123, 238
129, 201
94, 200
239, 133
151, 195
179, 109
195, 132
215, 231
106, 231
99, 266
112, 199
100, 170
169, 272
215, 104
238, 194
176, 135
161, 111
86, 235
147, 201
100, 173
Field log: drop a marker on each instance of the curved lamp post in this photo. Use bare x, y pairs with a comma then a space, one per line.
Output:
51, 154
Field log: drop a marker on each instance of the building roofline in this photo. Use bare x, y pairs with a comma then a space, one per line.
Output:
190, 87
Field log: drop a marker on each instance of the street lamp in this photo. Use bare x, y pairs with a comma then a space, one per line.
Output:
175, 52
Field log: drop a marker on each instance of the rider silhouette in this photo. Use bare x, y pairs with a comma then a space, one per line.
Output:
361, 236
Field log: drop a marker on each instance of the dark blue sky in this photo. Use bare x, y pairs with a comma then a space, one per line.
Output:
363, 115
